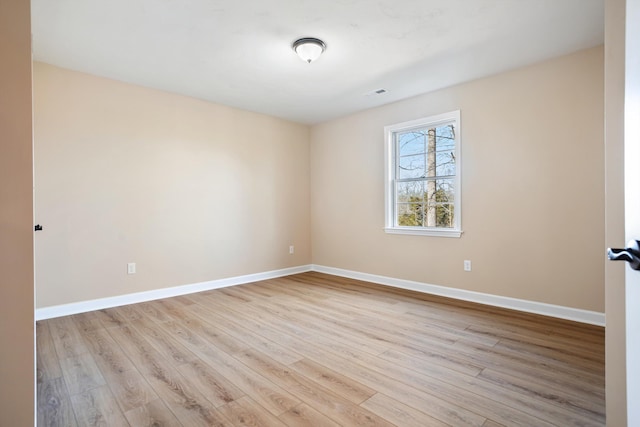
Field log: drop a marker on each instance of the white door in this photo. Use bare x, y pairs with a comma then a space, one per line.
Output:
632, 205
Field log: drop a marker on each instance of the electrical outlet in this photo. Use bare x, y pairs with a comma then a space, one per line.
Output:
131, 268
467, 265
291, 250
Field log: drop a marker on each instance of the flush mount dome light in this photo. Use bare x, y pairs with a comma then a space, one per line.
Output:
309, 49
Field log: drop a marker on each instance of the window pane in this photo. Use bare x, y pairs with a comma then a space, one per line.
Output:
411, 143
410, 214
411, 166
444, 191
445, 150
444, 144
445, 137
444, 215
410, 192
445, 163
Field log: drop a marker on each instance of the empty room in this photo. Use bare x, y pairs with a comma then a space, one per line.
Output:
341, 213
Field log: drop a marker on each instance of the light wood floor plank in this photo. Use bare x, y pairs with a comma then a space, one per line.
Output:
191, 407
399, 413
525, 365
218, 389
106, 352
131, 390
534, 405
318, 350
581, 403
340, 384
274, 350
82, 373
128, 386
85, 322
163, 342
152, 414
254, 385
186, 324
446, 412
66, 338
47, 364
97, 407
246, 412
341, 410
304, 415
54, 405
111, 317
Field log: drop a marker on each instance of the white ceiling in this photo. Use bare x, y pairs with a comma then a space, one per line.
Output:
239, 52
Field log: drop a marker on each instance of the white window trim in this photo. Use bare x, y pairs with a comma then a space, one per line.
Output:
389, 193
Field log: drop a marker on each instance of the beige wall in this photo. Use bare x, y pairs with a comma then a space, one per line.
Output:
614, 205
193, 191
188, 190
16, 217
532, 185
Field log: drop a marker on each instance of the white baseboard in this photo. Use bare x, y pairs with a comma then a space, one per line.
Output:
99, 304
583, 316
575, 314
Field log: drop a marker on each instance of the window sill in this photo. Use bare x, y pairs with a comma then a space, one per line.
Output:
423, 232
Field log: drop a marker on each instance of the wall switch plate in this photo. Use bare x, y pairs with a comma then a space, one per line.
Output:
291, 249
131, 268
467, 265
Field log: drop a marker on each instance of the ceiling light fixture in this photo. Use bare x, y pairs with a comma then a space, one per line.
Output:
309, 49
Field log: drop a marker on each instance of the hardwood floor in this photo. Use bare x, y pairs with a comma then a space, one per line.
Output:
317, 350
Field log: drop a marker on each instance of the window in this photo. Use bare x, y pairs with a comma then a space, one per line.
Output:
423, 176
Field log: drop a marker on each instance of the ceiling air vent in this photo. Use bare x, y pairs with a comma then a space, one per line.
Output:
376, 92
